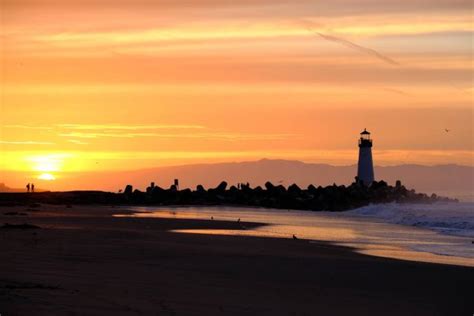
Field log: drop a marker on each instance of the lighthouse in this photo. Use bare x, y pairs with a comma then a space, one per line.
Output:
365, 169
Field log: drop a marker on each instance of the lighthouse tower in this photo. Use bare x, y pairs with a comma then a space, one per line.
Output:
365, 170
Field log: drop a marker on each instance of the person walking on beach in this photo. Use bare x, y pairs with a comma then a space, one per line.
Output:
28, 188
32, 188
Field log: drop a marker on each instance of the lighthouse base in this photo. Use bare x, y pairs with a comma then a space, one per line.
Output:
365, 170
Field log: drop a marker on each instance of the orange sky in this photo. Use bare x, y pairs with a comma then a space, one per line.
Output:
117, 85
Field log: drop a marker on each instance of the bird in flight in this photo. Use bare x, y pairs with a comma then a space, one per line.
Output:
447, 130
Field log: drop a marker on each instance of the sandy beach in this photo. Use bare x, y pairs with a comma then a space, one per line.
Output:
83, 261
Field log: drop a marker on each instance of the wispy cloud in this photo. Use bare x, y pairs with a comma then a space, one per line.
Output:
25, 142
28, 127
213, 135
98, 135
127, 127
77, 142
107, 126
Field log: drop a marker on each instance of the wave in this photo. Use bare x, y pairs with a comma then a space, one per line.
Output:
447, 218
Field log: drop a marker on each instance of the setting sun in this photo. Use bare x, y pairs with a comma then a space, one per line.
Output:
46, 177
47, 165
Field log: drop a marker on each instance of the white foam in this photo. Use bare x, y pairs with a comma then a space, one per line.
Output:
447, 218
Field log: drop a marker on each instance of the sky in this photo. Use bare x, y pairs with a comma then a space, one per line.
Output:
122, 85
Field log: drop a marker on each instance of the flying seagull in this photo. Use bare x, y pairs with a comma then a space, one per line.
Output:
447, 130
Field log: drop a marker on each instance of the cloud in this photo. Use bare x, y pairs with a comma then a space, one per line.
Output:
248, 7
126, 127
78, 132
212, 135
25, 143
77, 142
27, 127
107, 127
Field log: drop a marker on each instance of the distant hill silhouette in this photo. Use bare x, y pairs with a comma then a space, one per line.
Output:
4, 188
448, 180
453, 180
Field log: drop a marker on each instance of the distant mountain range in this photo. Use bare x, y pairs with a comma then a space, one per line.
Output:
4, 188
450, 180
446, 179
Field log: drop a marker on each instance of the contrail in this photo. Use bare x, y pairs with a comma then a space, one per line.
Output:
310, 26
363, 49
313, 27
397, 91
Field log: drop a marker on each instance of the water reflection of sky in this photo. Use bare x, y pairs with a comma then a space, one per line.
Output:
366, 235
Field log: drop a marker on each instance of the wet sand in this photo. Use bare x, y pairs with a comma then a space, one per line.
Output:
83, 261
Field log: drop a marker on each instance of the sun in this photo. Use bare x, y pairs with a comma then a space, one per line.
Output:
46, 177
47, 166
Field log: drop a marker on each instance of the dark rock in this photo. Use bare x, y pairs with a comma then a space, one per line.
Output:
128, 190
173, 188
15, 214
333, 197
269, 186
19, 226
294, 189
312, 189
221, 187
200, 188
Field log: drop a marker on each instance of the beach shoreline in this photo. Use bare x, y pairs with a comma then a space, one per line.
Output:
84, 261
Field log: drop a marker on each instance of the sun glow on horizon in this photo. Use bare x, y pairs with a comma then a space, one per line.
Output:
46, 177
47, 163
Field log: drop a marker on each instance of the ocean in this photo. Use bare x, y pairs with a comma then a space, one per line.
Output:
440, 232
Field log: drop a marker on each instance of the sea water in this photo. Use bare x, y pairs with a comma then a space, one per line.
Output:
440, 232
447, 218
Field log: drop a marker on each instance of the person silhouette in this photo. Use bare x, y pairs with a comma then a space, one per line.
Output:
32, 187
28, 188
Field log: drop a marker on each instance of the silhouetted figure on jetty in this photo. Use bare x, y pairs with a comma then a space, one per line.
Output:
28, 188
32, 188
295, 238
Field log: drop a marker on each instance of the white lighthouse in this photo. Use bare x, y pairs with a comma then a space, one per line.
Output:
365, 169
